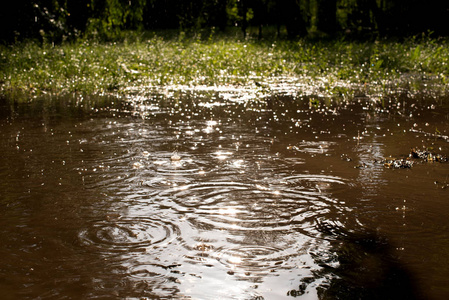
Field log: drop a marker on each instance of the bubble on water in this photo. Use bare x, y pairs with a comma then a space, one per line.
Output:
137, 165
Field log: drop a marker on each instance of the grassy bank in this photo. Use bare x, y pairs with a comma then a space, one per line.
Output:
136, 66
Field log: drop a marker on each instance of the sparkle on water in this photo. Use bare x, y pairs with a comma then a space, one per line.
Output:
223, 195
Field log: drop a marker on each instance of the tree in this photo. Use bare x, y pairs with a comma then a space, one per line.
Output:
109, 17
18, 21
161, 14
214, 14
326, 16
58, 20
78, 15
294, 17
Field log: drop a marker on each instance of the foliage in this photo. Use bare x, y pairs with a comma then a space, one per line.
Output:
113, 16
143, 61
58, 20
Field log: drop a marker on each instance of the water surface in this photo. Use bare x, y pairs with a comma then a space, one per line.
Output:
207, 196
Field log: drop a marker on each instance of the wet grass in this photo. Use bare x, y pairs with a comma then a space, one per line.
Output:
141, 63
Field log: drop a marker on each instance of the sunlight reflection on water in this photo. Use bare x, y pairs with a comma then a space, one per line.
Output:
172, 197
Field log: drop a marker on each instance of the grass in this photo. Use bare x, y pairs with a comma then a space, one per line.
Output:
139, 63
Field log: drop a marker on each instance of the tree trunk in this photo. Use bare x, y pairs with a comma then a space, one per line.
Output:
295, 24
327, 16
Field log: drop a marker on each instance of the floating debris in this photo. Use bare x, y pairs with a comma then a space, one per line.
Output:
203, 247
427, 156
137, 165
361, 166
405, 163
345, 157
398, 163
441, 185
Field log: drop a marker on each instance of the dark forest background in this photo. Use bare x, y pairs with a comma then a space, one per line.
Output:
59, 20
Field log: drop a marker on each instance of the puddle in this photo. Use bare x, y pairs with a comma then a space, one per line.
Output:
199, 195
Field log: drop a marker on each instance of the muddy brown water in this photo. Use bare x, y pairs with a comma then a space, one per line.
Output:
205, 197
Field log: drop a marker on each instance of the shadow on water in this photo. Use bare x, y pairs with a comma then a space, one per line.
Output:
364, 265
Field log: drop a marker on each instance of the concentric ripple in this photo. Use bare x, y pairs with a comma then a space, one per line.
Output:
148, 272
321, 183
251, 260
292, 203
130, 234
